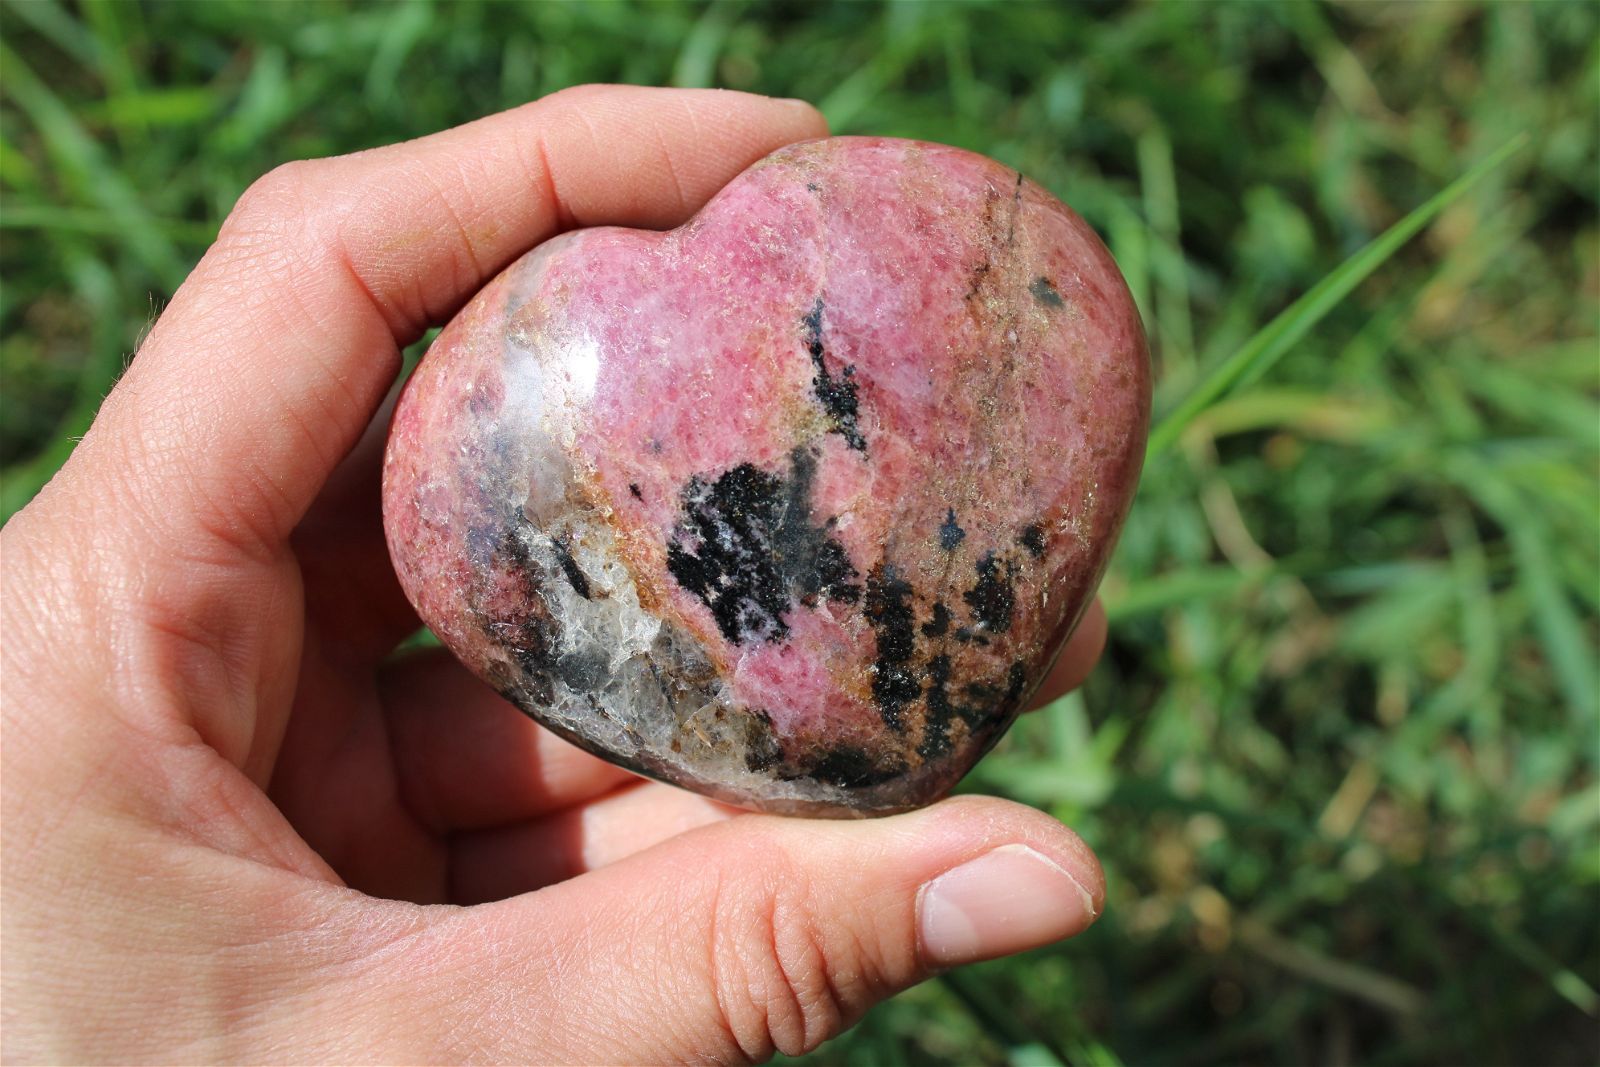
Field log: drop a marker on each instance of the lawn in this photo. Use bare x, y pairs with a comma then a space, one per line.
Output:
1340, 759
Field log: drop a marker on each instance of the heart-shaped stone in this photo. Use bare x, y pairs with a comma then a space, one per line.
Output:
793, 505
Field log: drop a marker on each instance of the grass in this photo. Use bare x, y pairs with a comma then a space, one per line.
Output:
1340, 759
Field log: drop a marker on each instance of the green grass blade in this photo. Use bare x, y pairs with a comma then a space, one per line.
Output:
99, 223
696, 67
1162, 591
87, 171
96, 285
51, 21
904, 32
1269, 344
1158, 179
1566, 983
1561, 631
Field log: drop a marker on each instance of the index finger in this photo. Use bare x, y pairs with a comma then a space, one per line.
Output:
274, 354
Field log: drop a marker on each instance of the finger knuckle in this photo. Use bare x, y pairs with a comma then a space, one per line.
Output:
282, 193
783, 981
287, 221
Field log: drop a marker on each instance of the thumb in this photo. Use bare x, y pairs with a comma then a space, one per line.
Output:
763, 934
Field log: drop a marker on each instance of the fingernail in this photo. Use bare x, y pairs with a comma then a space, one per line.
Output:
1005, 901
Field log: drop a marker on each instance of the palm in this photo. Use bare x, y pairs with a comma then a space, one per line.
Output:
410, 778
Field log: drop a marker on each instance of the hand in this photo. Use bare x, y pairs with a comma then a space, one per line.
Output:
235, 829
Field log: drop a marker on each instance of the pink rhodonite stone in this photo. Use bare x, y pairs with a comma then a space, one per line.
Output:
795, 504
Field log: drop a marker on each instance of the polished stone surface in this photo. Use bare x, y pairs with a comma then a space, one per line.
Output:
793, 505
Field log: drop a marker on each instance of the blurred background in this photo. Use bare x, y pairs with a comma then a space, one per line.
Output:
1340, 759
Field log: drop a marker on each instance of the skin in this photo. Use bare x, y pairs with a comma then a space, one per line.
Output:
235, 828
